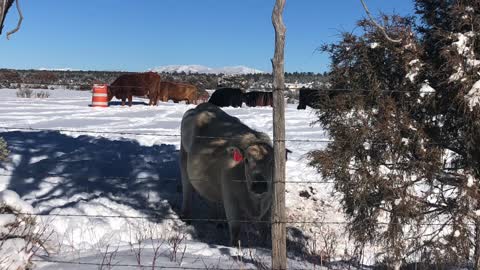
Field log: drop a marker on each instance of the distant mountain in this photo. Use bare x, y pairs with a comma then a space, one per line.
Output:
232, 70
56, 69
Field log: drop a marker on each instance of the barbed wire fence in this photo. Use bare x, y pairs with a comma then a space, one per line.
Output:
172, 179
151, 216
207, 220
266, 88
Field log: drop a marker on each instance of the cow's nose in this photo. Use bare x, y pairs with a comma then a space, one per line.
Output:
259, 184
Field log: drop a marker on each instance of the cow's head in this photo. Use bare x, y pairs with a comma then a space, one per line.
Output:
258, 163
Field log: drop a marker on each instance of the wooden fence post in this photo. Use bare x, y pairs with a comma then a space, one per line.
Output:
279, 249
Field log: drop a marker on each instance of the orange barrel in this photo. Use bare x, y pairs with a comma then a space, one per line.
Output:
100, 95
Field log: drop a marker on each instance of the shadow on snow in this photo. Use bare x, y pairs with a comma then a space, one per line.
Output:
122, 171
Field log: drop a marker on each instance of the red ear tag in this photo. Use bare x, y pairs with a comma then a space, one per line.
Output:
237, 156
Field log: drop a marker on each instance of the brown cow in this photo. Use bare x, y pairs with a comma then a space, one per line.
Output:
256, 98
176, 92
135, 84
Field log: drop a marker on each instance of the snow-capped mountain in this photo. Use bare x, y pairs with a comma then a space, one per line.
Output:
56, 69
230, 70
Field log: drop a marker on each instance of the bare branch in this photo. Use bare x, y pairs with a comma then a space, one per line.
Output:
378, 25
4, 7
452, 179
20, 19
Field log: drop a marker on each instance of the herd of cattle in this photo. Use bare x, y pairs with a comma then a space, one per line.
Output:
149, 84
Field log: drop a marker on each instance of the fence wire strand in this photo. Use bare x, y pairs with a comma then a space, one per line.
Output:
85, 131
151, 266
224, 220
320, 90
143, 134
171, 179
142, 266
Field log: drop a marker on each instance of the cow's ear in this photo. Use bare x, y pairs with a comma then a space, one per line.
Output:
235, 153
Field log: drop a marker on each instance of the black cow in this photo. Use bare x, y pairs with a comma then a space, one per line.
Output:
225, 97
310, 97
256, 98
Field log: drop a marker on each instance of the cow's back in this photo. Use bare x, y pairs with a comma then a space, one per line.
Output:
257, 98
137, 84
209, 126
225, 97
179, 91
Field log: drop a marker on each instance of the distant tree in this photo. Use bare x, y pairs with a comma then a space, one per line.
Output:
406, 149
8, 77
45, 77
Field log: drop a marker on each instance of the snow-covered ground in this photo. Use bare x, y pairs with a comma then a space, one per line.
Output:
104, 179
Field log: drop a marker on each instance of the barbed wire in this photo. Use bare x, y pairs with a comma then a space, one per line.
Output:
224, 220
145, 134
324, 91
317, 89
173, 218
151, 266
179, 135
173, 179
142, 266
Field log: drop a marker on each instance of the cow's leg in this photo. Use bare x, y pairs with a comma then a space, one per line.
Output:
233, 216
187, 189
232, 211
123, 101
153, 99
130, 97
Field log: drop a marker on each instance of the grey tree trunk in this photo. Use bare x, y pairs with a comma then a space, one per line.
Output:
279, 249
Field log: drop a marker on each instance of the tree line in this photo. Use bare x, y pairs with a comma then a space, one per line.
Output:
83, 80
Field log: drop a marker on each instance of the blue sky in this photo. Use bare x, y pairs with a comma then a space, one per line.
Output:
138, 35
